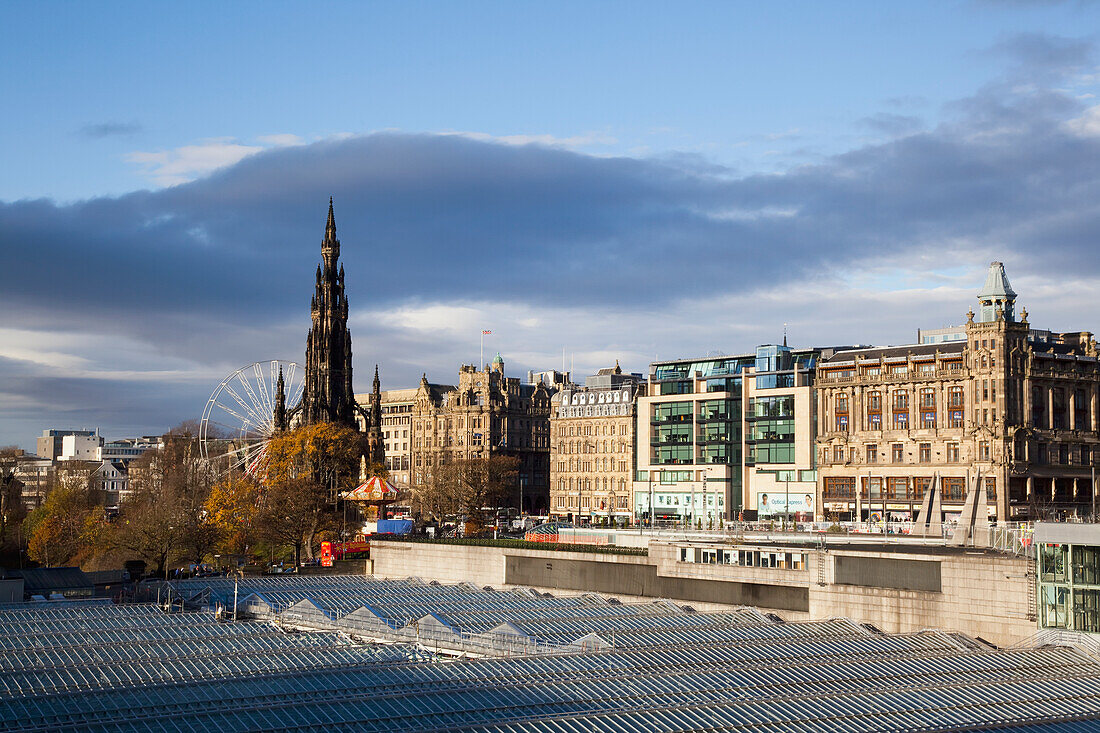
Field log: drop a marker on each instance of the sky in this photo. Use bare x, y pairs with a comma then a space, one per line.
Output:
589, 181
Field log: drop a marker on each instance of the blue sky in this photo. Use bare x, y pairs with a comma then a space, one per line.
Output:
751, 85
637, 179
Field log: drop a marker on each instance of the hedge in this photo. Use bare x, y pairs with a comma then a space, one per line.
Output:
521, 545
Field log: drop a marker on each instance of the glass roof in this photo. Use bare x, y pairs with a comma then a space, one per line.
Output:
96, 667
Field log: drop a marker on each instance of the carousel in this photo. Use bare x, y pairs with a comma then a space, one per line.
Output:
373, 496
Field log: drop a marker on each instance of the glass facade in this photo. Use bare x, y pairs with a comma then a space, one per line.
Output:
771, 429
1069, 586
709, 424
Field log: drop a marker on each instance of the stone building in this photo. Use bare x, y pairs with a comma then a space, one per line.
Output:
485, 414
592, 448
396, 412
993, 400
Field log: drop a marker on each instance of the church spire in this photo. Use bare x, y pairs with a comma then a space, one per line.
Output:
330, 245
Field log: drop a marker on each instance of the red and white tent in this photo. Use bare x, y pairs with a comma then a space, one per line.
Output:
375, 489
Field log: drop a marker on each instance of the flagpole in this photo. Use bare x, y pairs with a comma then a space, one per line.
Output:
481, 364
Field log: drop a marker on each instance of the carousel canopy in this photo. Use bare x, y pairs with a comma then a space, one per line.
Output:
374, 489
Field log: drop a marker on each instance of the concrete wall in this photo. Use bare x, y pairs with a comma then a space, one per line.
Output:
11, 590
983, 594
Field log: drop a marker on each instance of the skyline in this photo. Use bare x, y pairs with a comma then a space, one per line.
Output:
146, 259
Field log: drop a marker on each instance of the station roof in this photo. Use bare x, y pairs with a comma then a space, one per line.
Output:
649, 666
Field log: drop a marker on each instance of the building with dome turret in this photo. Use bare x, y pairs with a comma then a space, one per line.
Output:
994, 401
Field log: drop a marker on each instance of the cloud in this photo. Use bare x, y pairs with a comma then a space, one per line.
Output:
893, 125
1043, 58
447, 234
573, 142
281, 139
186, 163
110, 129
1087, 125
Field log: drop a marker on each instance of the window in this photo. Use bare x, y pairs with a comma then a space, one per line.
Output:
925, 452
839, 487
897, 487
928, 419
901, 421
983, 451
872, 453
842, 412
897, 453
953, 489
955, 418
955, 397
952, 452
875, 412
838, 454
928, 398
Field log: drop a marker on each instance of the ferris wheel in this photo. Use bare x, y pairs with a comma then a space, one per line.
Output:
239, 418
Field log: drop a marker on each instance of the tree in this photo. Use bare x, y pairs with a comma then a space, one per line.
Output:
234, 507
12, 508
70, 526
165, 517
294, 510
307, 469
468, 485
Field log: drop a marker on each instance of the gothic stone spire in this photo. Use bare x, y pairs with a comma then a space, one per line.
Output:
376, 446
327, 395
280, 403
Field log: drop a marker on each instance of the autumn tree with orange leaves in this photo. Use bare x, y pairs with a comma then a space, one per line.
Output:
306, 471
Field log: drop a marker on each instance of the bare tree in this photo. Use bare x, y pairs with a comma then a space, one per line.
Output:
467, 485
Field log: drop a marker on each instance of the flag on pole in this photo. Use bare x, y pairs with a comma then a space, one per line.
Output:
486, 333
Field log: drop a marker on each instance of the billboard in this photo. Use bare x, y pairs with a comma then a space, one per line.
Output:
796, 502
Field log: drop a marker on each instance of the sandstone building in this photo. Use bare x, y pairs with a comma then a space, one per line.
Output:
994, 401
592, 449
485, 414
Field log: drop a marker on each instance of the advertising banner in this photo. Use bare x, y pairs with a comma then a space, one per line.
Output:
771, 504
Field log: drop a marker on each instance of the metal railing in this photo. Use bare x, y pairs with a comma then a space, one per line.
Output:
1009, 537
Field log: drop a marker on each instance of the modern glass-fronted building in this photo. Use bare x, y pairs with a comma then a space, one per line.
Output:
711, 431
1068, 556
